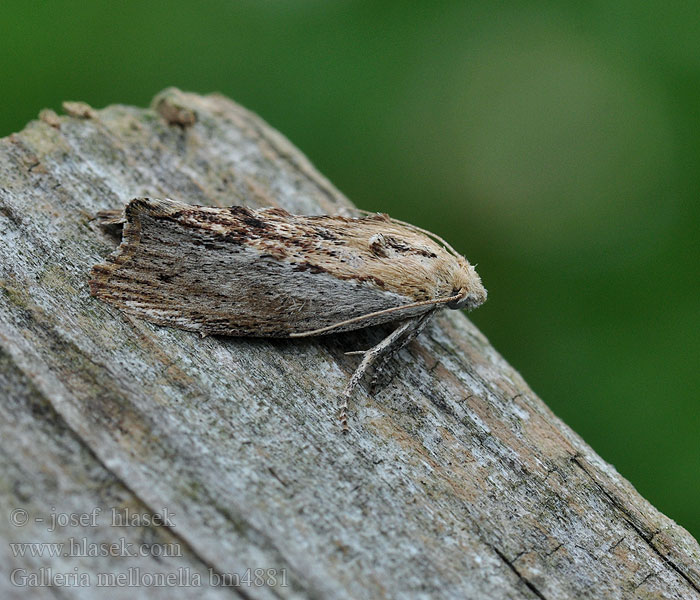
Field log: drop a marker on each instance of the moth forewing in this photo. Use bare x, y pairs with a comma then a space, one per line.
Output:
397, 312
268, 273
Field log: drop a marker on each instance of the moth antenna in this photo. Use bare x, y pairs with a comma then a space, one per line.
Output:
430, 234
376, 314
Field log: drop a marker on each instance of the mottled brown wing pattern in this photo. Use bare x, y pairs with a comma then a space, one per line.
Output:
237, 272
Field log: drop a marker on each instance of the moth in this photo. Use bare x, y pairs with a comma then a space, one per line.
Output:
268, 273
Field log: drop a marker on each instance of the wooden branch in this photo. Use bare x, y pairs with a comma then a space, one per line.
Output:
456, 481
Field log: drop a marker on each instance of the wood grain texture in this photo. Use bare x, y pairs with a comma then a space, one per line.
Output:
455, 482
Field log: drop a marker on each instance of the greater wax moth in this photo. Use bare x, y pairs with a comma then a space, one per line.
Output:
267, 273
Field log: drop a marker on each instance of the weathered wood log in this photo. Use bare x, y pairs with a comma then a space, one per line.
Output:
456, 481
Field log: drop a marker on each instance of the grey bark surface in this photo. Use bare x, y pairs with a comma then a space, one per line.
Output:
456, 481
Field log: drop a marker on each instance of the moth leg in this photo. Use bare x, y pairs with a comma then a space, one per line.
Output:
369, 357
418, 325
110, 218
410, 335
396, 340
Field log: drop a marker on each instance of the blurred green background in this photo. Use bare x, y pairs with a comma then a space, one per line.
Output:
553, 143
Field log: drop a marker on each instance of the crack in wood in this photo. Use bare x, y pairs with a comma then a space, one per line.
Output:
531, 586
629, 518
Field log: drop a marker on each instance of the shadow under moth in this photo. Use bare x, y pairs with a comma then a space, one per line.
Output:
267, 273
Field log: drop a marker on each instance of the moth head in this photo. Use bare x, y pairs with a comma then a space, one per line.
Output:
467, 287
